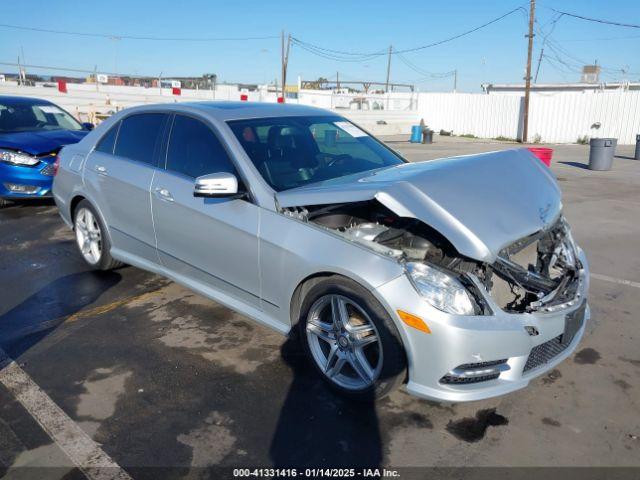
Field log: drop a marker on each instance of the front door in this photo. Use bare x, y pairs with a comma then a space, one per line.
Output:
212, 241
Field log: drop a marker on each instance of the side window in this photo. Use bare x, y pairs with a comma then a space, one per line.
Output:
194, 150
108, 141
139, 137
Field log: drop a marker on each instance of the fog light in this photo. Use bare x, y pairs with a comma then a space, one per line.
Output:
17, 188
476, 372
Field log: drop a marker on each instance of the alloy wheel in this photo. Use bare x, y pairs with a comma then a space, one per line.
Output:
344, 342
88, 235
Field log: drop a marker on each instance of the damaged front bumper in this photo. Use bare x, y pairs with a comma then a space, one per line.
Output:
518, 346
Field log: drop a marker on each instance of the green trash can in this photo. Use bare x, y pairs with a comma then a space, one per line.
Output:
601, 153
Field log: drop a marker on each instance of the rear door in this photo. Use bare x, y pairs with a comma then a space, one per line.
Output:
123, 180
210, 240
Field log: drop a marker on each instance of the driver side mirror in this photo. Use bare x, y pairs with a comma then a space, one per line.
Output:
88, 126
217, 185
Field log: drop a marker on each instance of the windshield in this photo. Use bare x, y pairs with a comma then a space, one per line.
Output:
23, 117
293, 151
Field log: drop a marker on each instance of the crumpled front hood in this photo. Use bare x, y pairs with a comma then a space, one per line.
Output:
40, 141
480, 203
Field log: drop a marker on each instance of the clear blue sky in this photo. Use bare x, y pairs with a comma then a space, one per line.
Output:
495, 54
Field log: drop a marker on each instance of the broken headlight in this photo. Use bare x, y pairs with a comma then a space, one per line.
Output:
440, 289
16, 158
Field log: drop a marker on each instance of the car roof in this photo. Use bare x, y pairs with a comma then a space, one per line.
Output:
227, 110
13, 100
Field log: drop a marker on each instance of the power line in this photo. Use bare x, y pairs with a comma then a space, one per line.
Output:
60, 69
79, 70
135, 37
362, 56
455, 37
336, 55
597, 20
339, 52
424, 73
600, 39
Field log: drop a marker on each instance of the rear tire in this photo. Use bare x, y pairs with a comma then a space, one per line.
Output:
92, 238
358, 352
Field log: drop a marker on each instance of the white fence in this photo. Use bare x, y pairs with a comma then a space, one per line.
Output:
485, 116
553, 117
562, 117
393, 101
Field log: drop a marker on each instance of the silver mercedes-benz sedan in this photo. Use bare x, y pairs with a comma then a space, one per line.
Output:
458, 277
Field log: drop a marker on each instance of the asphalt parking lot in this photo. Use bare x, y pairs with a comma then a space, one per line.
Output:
157, 376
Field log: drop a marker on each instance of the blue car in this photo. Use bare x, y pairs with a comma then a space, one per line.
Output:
32, 132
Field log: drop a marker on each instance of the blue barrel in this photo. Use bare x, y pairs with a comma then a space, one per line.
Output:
416, 134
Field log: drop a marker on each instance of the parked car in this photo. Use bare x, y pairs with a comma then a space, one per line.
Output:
458, 276
32, 132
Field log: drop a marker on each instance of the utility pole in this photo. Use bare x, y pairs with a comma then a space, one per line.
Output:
337, 80
386, 88
285, 61
527, 87
535, 79
455, 80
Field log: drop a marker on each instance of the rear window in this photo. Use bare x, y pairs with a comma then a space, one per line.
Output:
139, 137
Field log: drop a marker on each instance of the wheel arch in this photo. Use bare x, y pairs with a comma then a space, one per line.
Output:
310, 280
73, 204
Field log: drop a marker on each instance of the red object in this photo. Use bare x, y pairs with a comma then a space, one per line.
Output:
56, 165
244, 97
544, 154
176, 90
62, 86
280, 100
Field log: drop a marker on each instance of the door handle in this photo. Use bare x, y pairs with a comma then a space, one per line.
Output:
164, 194
101, 170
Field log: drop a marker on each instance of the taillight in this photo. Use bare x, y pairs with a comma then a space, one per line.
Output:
56, 165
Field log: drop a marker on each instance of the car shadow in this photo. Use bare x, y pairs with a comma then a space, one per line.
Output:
30, 202
319, 429
576, 164
26, 324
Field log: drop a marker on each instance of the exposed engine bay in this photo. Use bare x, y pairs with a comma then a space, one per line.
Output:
533, 273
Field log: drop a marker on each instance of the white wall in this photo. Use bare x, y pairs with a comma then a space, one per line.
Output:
560, 117
485, 116
563, 117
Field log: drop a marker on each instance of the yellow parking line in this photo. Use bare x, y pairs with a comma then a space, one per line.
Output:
101, 309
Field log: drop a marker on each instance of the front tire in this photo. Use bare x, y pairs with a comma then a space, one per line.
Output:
351, 340
92, 238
